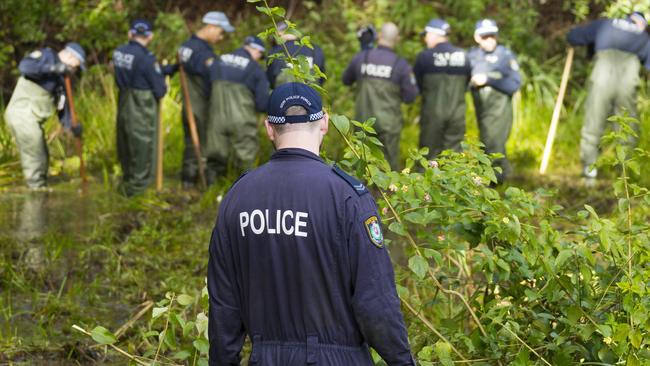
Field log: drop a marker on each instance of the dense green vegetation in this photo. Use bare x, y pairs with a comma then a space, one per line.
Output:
553, 276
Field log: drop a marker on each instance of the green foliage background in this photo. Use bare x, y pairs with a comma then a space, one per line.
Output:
487, 277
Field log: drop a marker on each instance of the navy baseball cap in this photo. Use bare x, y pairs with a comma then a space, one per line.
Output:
486, 27
141, 27
255, 42
77, 51
220, 19
437, 26
294, 94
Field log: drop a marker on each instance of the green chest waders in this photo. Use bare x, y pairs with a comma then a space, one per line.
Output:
232, 125
442, 117
137, 129
612, 89
199, 101
494, 116
29, 107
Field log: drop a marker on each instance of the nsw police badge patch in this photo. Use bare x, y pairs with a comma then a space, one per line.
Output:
374, 231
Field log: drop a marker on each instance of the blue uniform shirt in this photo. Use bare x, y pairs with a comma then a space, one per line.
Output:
239, 67
136, 68
382, 63
500, 66
616, 34
198, 59
37, 67
297, 262
314, 56
444, 58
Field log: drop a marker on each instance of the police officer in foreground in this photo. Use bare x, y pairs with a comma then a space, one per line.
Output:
239, 89
40, 92
384, 80
495, 78
198, 58
141, 84
619, 44
297, 258
277, 71
442, 72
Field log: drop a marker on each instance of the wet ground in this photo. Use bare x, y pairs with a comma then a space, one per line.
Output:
71, 257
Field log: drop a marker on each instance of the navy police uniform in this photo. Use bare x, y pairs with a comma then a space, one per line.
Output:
442, 73
384, 80
141, 84
493, 101
239, 90
38, 94
298, 263
277, 73
621, 46
198, 59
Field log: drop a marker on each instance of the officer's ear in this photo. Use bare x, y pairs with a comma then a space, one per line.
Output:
270, 132
324, 124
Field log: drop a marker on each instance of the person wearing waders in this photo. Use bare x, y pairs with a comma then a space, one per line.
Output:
198, 58
495, 78
278, 72
239, 89
141, 84
619, 45
40, 92
442, 72
297, 260
384, 80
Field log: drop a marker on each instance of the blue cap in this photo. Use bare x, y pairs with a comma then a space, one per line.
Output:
637, 15
437, 26
294, 94
255, 42
77, 51
486, 27
141, 27
220, 19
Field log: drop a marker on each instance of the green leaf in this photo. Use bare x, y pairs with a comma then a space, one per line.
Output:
342, 123
419, 266
102, 335
562, 258
202, 345
443, 351
181, 355
156, 312
592, 211
253, 1
185, 300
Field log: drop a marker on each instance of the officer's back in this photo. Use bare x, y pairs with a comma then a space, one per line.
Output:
297, 259
136, 68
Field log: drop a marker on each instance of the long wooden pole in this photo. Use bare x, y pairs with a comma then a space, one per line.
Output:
192, 123
159, 153
556, 112
75, 123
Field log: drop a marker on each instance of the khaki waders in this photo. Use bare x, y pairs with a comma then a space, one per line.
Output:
442, 118
29, 107
199, 101
232, 126
612, 89
137, 131
494, 116
382, 99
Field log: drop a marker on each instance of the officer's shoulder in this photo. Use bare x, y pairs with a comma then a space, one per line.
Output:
359, 188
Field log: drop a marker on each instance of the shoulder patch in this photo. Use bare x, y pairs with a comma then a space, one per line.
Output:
209, 61
36, 54
373, 228
514, 65
358, 187
156, 67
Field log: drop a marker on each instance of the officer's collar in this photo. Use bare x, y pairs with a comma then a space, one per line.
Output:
203, 41
136, 43
295, 152
380, 47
